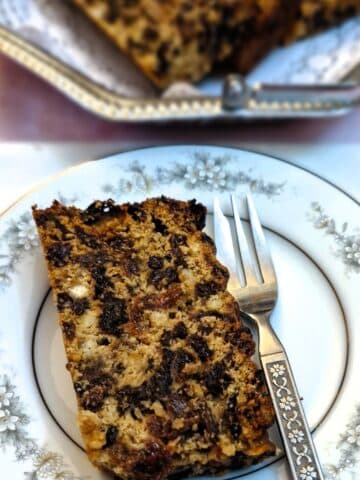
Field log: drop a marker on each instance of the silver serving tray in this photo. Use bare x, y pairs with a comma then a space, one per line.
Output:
63, 48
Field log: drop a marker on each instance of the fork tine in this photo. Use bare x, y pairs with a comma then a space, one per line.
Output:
263, 253
223, 237
246, 258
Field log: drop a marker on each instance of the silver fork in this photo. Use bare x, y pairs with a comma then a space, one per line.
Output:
257, 299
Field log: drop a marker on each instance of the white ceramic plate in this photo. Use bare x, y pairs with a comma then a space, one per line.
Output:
311, 228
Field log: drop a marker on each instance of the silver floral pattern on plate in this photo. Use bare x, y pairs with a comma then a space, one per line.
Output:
15, 438
348, 448
19, 238
203, 171
347, 244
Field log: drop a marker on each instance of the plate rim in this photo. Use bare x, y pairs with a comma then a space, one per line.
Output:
63, 172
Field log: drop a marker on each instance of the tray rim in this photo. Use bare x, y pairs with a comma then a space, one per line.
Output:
112, 106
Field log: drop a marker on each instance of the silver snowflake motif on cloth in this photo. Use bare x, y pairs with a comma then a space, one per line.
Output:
204, 171
347, 244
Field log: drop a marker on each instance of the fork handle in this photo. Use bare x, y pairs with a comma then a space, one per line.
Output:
294, 430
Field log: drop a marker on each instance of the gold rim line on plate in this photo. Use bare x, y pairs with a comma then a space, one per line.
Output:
48, 179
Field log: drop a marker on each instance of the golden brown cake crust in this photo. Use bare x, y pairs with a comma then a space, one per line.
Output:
159, 356
182, 40
169, 41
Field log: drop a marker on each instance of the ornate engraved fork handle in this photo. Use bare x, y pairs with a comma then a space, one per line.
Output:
295, 433
257, 300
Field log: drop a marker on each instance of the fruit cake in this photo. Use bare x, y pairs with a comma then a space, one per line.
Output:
159, 356
315, 15
182, 40
169, 41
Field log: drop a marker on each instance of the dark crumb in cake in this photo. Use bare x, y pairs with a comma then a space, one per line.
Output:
159, 357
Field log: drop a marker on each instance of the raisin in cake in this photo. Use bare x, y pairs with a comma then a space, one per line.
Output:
159, 357
315, 15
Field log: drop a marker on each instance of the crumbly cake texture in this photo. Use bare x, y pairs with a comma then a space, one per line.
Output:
316, 15
181, 40
159, 356
169, 41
